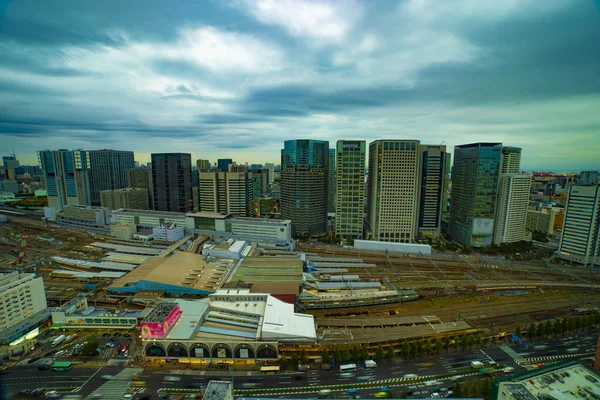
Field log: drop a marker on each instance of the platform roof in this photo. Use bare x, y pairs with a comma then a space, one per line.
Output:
347, 285
271, 269
128, 249
280, 321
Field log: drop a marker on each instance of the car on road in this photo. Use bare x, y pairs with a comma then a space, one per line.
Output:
117, 334
171, 378
107, 377
126, 335
381, 395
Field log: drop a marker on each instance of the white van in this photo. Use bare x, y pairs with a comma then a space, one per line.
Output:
370, 364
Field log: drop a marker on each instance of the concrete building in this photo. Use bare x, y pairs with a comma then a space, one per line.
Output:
146, 220
172, 181
223, 164
304, 165
89, 217
588, 178
227, 192
392, 190
168, 232
541, 221
123, 230
78, 315
580, 240
271, 168
9, 186
331, 182
67, 177
350, 188
202, 166
10, 165
133, 198
108, 170
475, 178
431, 186
21, 297
142, 178
230, 249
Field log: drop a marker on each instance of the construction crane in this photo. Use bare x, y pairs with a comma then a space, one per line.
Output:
23, 245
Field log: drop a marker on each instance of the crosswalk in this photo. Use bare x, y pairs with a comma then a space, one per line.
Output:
558, 357
115, 388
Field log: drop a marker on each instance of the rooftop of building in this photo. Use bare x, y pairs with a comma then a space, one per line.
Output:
127, 189
271, 269
92, 312
217, 390
183, 269
152, 213
207, 214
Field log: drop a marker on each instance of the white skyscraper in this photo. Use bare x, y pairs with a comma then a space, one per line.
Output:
580, 241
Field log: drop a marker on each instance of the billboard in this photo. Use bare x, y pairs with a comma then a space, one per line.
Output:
483, 227
160, 329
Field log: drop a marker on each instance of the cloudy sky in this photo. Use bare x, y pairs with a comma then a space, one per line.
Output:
236, 78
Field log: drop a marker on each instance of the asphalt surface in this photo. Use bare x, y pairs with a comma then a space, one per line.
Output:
89, 379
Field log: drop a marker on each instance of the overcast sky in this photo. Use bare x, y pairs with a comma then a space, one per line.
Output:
237, 78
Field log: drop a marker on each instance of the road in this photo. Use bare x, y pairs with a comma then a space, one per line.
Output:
28, 376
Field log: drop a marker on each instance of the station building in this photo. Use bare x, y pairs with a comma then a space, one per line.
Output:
78, 315
231, 326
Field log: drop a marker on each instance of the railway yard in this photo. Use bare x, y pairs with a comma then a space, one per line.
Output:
455, 292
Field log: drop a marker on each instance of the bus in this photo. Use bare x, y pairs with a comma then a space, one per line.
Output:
138, 383
272, 369
58, 340
348, 367
62, 366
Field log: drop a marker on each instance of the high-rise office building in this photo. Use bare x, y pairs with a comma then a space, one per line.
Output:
271, 168
172, 181
130, 198
580, 240
67, 177
108, 170
392, 190
350, 188
303, 185
10, 164
141, 178
227, 192
513, 198
260, 182
202, 165
223, 164
331, 182
587, 178
475, 176
432, 185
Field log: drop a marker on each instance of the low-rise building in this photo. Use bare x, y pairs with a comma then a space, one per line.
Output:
128, 198
123, 230
88, 217
541, 221
168, 232
231, 248
81, 316
147, 219
9, 186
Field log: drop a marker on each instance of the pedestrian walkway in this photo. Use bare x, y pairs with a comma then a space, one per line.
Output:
117, 386
513, 354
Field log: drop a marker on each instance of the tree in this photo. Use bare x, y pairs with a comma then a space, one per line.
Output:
405, 350
389, 353
364, 353
439, 345
540, 330
557, 328
564, 325
345, 354
303, 359
90, 348
355, 353
470, 341
531, 331
428, 347
548, 328
414, 349
457, 390
478, 340
325, 358
447, 344
472, 389
379, 353
486, 387
337, 355
572, 324
518, 331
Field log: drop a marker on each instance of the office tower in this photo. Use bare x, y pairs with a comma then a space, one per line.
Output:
303, 185
256, 166
392, 190
271, 168
587, 178
172, 181
237, 168
475, 177
202, 165
447, 179
580, 240
142, 178
331, 182
108, 170
130, 198
350, 188
10, 164
513, 198
432, 185
21, 296
223, 164
227, 192
67, 177
260, 182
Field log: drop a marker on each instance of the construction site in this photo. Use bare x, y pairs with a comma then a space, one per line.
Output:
355, 296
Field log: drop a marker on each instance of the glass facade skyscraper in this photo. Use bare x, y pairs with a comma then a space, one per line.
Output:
108, 170
67, 177
304, 165
172, 181
475, 178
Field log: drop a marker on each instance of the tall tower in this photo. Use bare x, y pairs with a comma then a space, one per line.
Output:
202, 165
271, 168
475, 178
580, 240
172, 181
393, 190
350, 188
304, 166
331, 182
141, 178
513, 198
432, 186
223, 164
108, 170
227, 192
67, 177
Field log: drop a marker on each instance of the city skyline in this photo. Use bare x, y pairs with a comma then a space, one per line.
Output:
237, 78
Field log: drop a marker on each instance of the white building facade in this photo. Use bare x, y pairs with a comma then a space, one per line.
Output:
21, 296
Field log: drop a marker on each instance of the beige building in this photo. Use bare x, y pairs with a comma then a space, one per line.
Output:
123, 230
141, 178
227, 192
21, 296
131, 198
392, 190
202, 165
542, 221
